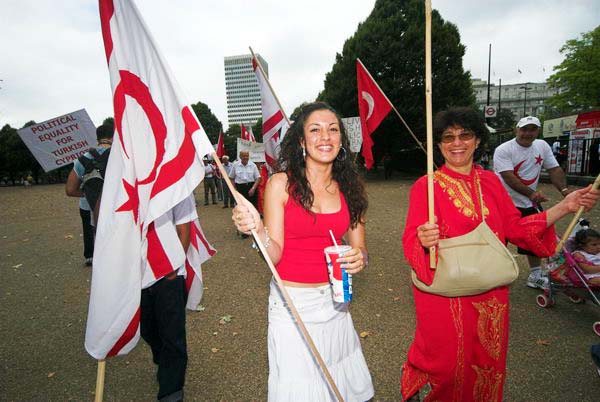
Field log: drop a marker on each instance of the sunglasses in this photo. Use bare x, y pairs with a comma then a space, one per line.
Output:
448, 138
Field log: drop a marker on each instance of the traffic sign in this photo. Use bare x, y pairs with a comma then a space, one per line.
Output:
489, 111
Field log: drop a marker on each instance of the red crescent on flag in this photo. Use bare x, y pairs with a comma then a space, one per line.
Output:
175, 169
107, 9
524, 181
133, 86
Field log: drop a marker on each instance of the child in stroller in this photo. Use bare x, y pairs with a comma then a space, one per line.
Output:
573, 270
587, 254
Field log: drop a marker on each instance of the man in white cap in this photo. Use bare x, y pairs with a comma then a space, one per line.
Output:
518, 163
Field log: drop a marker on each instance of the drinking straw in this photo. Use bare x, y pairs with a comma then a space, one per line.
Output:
337, 248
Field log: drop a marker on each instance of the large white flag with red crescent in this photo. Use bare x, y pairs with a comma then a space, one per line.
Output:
155, 162
274, 125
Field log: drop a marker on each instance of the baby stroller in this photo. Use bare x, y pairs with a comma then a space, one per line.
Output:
565, 276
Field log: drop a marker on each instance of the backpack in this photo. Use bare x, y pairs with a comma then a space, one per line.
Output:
93, 177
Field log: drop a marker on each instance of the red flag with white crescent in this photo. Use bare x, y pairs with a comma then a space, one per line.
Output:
220, 146
155, 163
274, 125
373, 106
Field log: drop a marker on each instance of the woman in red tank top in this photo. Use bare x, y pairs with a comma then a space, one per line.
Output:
316, 190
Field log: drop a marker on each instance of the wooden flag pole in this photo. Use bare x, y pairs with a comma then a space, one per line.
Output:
429, 121
269, 84
238, 198
419, 143
100, 381
575, 219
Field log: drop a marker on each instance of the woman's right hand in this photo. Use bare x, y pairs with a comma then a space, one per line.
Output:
428, 234
245, 216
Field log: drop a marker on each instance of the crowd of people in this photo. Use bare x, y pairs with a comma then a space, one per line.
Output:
461, 340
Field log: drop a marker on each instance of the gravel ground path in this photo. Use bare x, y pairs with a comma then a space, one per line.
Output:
44, 291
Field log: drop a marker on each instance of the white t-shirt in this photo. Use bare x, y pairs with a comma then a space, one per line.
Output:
526, 163
244, 174
209, 171
593, 259
181, 213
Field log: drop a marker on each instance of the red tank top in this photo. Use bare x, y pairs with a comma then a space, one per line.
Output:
305, 237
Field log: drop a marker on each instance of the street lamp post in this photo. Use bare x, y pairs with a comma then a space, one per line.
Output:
526, 88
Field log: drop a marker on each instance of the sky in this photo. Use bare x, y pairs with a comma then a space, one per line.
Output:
53, 59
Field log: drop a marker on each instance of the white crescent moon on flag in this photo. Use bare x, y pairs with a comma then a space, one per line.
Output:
369, 99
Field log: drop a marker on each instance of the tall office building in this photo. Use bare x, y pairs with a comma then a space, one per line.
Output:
241, 86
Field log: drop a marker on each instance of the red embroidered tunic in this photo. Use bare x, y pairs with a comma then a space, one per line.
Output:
461, 342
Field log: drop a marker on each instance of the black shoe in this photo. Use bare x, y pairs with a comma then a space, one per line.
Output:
225, 206
206, 203
245, 236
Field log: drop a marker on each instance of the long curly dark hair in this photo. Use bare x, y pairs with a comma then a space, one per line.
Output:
344, 171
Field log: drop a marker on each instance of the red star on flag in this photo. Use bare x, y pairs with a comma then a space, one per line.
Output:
133, 203
538, 160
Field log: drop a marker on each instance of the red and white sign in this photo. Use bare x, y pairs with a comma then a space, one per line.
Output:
256, 150
155, 163
489, 111
60, 141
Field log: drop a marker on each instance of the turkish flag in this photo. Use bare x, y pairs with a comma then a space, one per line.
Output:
155, 163
220, 146
373, 106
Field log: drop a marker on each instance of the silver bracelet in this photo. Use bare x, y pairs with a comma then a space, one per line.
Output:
267, 242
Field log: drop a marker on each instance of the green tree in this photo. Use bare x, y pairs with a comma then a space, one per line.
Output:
505, 119
297, 111
209, 121
230, 140
15, 158
577, 78
390, 42
257, 130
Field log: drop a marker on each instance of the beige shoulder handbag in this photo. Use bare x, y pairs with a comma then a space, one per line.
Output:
471, 264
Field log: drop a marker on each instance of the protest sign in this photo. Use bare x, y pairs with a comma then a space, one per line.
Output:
61, 140
256, 149
354, 132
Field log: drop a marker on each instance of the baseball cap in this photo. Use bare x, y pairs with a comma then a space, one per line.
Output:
529, 120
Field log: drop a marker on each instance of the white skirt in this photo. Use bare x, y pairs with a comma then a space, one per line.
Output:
294, 374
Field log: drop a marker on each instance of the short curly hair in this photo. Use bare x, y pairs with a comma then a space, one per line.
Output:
464, 117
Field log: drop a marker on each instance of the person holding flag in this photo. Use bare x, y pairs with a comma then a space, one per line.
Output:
155, 163
316, 189
461, 342
162, 319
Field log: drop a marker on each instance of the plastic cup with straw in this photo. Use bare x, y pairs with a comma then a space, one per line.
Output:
341, 281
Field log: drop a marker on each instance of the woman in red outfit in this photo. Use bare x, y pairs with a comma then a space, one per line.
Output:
460, 343
316, 190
